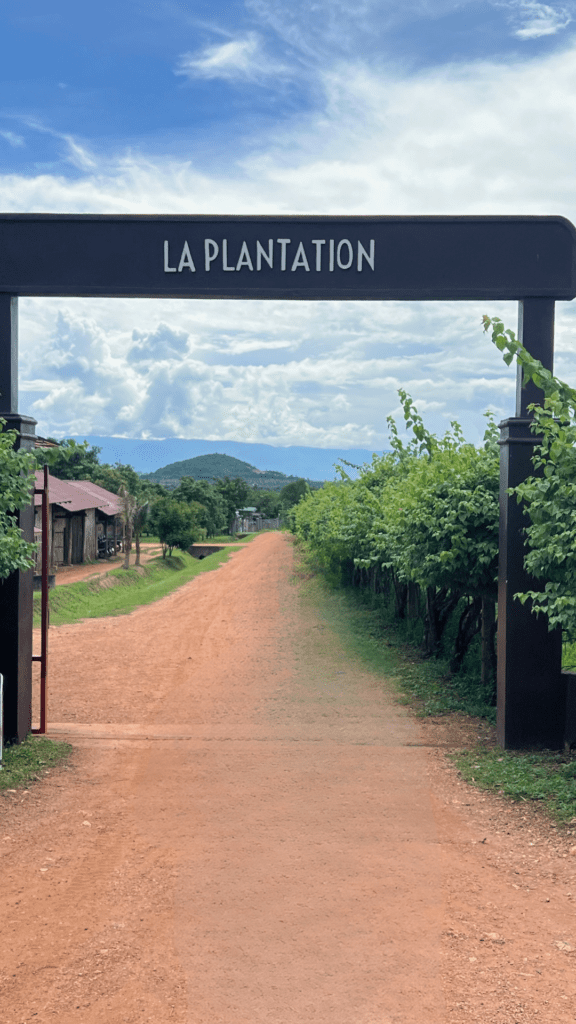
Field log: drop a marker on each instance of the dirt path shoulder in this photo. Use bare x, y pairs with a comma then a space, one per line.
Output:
253, 832
77, 573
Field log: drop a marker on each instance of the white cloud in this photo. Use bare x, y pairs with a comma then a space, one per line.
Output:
534, 19
89, 369
478, 138
13, 139
238, 59
78, 155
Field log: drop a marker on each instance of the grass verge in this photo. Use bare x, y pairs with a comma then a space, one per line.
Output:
122, 590
29, 761
227, 538
544, 778
425, 684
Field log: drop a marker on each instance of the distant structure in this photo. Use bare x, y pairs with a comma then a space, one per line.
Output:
250, 520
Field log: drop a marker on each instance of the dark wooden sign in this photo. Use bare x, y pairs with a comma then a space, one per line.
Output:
288, 257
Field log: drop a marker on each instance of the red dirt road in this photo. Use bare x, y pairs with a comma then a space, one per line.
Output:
253, 832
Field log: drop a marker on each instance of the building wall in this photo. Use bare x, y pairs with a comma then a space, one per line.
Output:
59, 536
60, 529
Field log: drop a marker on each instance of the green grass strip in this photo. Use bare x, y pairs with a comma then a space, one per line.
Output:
29, 761
546, 777
122, 590
227, 538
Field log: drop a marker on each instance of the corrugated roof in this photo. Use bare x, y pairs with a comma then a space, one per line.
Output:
62, 493
108, 502
45, 442
77, 495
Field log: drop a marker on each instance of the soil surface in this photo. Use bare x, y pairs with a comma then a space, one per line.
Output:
86, 571
252, 831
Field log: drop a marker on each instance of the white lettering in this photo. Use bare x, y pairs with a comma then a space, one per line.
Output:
211, 251
283, 242
244, 258
186, 260
167, 269
331, 247
362, 254
300, 258
225, 255
268, 256
344, 266
318, 242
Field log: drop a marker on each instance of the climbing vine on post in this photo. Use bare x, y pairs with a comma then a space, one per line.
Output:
549, 496
16, 482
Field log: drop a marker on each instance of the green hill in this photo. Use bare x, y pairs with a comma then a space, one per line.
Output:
216, 467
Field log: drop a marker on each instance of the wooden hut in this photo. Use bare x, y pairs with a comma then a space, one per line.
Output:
80, 513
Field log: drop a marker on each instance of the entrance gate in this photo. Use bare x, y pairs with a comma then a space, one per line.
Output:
529, 259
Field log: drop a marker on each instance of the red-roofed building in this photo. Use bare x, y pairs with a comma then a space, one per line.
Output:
83, 519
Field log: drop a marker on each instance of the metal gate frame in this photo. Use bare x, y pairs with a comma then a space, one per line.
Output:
45, 613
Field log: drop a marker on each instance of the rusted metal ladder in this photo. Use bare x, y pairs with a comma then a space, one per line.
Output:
43, 656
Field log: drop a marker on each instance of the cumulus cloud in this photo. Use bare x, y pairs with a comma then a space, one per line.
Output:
99, 374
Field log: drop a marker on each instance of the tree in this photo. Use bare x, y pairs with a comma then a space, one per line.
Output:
549, 495
235, 494
214, 509
267, 502
134, 508
16, 482
177, 524
139, 522
292, 493
112, 478
74, 460
419, 525
128, 509
71, 460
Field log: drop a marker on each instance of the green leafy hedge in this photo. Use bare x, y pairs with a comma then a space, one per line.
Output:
420, 526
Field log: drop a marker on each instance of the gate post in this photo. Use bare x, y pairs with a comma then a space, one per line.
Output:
531, 693
16, 600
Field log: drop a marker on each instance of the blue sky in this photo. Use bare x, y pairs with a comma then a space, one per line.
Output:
312, 106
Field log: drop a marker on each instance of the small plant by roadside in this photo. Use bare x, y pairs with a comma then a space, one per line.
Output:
546, 777
29, 761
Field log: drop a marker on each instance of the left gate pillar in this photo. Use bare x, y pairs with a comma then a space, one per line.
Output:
16, 591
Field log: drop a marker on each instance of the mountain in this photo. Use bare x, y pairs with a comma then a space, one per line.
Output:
216, 467
148, 455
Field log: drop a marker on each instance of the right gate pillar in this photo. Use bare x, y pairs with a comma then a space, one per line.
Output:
531, 691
